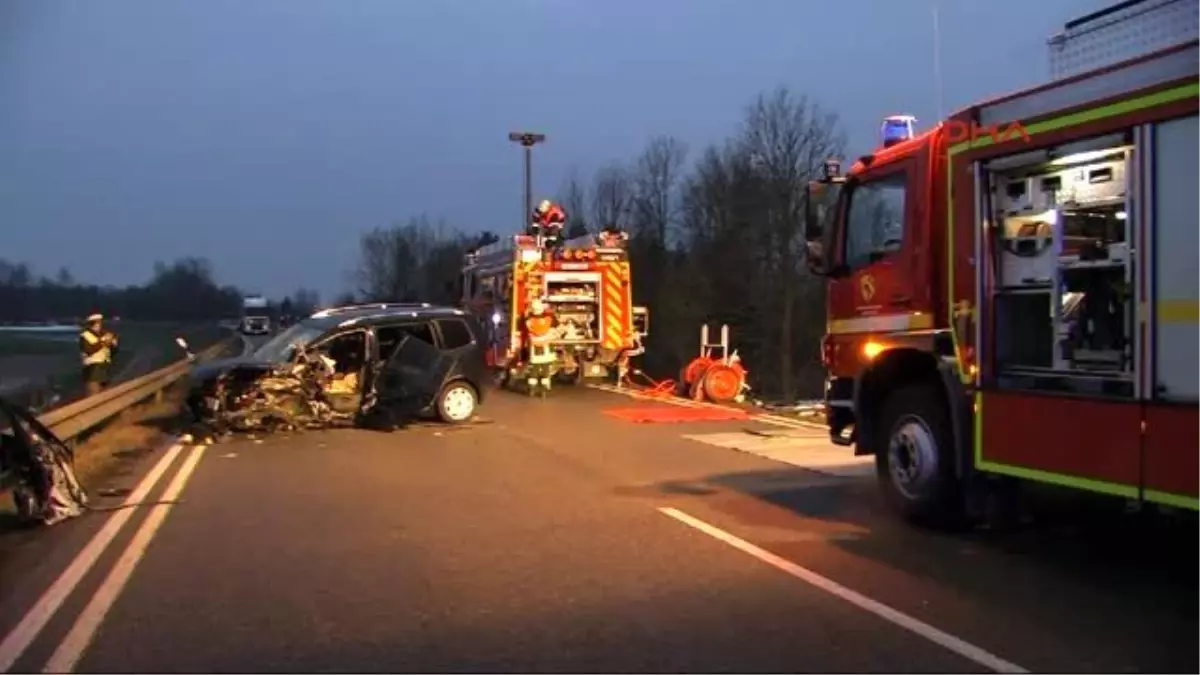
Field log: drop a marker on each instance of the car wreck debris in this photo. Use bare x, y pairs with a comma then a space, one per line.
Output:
39, 467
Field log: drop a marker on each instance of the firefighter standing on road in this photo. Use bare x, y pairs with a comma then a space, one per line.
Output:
538, 326
97, 347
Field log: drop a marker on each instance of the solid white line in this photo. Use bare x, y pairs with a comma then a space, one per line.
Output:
67, 656
25, 632
954, 644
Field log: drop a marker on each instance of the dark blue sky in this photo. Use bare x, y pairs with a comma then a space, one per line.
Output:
267, 135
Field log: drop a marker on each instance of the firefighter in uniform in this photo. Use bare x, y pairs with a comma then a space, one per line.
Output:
612, 237
538, 326
97, 347
548, 221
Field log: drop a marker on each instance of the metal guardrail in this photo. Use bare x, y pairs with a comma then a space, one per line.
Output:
83, 415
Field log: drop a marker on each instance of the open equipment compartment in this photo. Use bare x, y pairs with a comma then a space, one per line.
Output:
1059, 234
574, 299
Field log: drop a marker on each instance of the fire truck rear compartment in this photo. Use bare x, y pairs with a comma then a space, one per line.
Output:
574, 299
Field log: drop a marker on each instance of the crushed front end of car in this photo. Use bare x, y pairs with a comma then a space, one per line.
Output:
252, 397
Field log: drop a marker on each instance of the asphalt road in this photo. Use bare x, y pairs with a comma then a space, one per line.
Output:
552, 537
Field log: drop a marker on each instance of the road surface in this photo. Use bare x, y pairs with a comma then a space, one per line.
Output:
553, 536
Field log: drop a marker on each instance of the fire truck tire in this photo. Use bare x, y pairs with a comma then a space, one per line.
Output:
914, 456
457, 402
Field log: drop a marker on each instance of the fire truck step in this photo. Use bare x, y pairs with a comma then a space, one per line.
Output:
675, 414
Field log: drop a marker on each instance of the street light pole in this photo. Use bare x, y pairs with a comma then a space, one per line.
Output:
527, 139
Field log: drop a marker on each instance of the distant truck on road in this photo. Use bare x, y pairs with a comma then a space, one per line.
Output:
256, 315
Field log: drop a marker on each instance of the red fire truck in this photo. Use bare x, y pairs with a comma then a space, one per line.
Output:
585, 284
1021, 302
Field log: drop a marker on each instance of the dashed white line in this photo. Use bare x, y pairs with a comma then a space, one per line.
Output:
31, 625
935, 635
67, 656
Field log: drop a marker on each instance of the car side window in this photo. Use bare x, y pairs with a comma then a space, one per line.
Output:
455, 333
389, 336
875, 220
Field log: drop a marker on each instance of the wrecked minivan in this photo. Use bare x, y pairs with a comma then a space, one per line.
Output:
348, 366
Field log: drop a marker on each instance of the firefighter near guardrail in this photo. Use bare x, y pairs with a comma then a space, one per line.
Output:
558, 310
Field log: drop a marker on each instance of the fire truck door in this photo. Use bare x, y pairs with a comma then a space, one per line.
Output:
1170, 457
880, 219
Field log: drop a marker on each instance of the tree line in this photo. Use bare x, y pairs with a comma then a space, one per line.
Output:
184, 291
716, 237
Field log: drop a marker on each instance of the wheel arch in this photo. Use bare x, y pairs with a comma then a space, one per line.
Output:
904, 366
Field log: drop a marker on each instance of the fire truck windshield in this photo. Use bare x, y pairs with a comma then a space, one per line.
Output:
874, 219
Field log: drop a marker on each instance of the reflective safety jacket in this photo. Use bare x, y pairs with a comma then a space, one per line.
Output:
93, 349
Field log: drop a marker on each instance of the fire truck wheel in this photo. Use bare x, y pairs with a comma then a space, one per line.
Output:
456, 404
914, 456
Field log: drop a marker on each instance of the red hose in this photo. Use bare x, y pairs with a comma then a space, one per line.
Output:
656, 388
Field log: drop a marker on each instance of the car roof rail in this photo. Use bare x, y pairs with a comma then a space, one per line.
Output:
362, 307
395, 311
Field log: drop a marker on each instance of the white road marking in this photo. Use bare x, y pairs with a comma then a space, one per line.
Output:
766, 418
25, 632
808, 451
935, 635
67, 656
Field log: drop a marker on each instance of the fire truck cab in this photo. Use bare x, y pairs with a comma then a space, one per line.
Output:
584, 283
1021, 302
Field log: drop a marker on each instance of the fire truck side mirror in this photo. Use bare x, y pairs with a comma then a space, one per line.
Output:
820, 224
814, 224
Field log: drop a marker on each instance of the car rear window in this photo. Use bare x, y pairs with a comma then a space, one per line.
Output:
389, 336
455, 333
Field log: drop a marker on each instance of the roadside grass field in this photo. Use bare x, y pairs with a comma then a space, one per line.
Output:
37, 368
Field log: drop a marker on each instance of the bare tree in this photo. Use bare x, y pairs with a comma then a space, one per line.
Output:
656, 182
612, 197
787, 138
415, 262
573, 197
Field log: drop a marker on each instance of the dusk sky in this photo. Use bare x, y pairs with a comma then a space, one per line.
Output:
266, 135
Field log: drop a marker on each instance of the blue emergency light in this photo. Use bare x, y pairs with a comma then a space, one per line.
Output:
897, 129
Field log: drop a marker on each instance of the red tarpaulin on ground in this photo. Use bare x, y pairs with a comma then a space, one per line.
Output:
676, 413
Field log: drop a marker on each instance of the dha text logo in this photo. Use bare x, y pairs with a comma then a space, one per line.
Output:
958, 131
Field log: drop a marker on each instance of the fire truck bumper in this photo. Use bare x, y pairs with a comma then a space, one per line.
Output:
839, 410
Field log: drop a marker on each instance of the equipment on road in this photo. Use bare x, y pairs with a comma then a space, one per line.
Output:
583, 291
716, 374
1013, 295
39, 468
